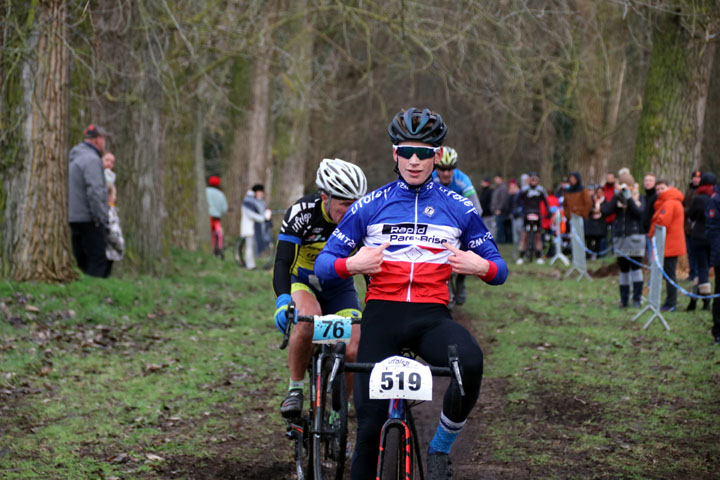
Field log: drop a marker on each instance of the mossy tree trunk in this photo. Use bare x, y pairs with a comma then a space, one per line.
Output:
125, 66
669, 137
298, 83
250, 156
41, 245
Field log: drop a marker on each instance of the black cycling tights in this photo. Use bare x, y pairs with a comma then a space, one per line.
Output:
427, 329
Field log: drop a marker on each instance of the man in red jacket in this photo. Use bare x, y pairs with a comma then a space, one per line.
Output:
670, 213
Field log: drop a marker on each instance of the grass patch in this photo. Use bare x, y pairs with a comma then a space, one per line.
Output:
168, 376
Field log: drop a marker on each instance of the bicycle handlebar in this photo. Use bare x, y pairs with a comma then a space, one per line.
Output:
293, 317
452, 371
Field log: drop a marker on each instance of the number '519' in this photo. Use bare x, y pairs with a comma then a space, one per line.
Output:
414, 381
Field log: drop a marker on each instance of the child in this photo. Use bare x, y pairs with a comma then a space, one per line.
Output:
115, 248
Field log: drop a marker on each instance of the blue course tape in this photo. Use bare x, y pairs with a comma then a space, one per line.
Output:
671, 282
616, 250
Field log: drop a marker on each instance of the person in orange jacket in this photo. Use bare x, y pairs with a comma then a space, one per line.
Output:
670, 213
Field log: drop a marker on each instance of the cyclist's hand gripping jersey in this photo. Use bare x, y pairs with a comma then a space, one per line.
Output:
460, 183
415, 221
304, 232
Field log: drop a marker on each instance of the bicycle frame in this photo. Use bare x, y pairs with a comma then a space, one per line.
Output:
325, 441
399, 416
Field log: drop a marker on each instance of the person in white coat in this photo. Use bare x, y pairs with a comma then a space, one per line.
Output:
254, 212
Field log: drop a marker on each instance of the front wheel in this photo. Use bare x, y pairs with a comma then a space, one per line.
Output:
395, 458
330, 432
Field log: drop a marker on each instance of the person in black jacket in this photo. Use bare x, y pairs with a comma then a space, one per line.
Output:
628, 236
699, 244
712, 232
595, 226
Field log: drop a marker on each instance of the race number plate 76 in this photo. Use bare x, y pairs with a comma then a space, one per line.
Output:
401, 377
332, 329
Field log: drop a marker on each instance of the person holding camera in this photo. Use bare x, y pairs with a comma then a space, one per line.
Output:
627, 207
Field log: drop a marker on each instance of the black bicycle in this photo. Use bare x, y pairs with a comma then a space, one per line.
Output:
405, 383
320, 434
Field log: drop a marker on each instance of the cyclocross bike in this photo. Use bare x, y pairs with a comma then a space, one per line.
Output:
320, 434
401, 379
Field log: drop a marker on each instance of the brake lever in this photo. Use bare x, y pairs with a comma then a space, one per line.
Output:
290, 315
339, 360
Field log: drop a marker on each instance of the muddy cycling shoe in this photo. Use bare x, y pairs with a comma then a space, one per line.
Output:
292, 405
438, 466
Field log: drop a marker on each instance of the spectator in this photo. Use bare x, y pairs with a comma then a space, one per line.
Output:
498, 204
486, 205
108, 161
609, 189
626, 208
254, 212
115, 249
576, 199
650, 198
217, 207
548, 221
669, 213
699, 244
516, 216
88, 202
524, 181
595, 226
712, 232
687, 202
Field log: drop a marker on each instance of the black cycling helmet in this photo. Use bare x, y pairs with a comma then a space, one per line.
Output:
417, 125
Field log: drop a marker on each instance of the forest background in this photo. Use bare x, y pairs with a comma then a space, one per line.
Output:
261, 91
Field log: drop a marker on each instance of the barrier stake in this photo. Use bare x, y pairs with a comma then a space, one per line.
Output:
557, 239
656, 277
578, 248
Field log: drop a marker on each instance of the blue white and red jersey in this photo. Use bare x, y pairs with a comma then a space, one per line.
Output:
460, 183
415, 221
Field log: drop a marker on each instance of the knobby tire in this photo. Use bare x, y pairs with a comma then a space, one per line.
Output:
330, 440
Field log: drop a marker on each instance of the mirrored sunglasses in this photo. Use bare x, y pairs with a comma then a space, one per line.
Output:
423, 153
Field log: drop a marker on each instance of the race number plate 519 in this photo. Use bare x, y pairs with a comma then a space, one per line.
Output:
332, 329
401, 377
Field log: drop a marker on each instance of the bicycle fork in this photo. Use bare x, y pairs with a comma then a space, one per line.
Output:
396, 414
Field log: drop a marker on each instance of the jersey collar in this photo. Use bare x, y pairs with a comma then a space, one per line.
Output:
324, 212
417, 189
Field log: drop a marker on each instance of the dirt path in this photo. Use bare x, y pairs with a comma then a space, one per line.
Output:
471, 458
471, 455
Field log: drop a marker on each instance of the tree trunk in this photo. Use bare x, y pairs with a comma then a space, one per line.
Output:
250, 157
671, 124
41, 250
202, 226
298, 81
127, 66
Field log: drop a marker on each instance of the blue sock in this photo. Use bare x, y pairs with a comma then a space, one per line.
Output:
446, 433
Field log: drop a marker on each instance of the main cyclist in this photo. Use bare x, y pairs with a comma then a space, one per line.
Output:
410, 232
446, 173
307, 225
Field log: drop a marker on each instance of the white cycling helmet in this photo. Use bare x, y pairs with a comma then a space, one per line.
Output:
449, 158
341, 179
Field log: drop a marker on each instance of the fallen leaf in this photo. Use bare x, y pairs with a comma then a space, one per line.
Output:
154, 458
32, 308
